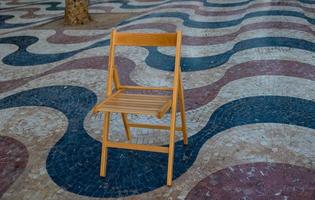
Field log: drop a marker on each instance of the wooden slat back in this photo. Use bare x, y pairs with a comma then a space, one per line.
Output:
145, 39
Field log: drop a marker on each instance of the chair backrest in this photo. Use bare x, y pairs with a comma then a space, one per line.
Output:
144, 39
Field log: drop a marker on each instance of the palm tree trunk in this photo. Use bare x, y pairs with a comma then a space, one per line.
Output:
76, 12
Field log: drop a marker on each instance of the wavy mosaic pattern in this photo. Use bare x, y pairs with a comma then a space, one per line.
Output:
76, 102
246, 63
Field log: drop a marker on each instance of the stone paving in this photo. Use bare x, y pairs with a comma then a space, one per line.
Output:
249, 78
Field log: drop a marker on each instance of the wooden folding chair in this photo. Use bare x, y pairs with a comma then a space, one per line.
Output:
156, 105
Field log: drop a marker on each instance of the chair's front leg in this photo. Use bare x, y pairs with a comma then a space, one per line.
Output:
104, 144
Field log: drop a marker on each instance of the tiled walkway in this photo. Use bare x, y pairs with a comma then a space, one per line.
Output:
249, 76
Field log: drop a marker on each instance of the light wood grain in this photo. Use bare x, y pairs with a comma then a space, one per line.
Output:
155, 105
145, 39
138, 147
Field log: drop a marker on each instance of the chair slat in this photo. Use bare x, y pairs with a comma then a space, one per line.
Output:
129, 111
142, 97
155, 105
128, 104
133, 87
131, 103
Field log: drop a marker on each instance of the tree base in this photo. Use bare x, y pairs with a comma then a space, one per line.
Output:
76, 12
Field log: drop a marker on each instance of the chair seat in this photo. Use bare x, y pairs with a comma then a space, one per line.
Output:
155, 105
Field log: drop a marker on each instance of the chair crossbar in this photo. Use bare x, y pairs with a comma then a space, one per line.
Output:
152, 126
138, 147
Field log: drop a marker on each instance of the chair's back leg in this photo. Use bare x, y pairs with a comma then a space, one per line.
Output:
123, 115
111, 65
127, 128
182, 111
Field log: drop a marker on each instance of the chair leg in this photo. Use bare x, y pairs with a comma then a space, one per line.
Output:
104, 144
171, 151
127, 129
182, 113
170, 160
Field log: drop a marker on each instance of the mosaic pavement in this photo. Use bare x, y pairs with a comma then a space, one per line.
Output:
249, 77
